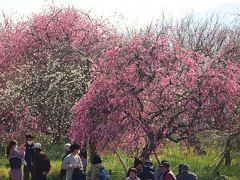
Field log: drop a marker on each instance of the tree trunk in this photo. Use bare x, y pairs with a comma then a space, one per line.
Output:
228, 153
228, 157
92, 149
148, 150
145, 153
156, 156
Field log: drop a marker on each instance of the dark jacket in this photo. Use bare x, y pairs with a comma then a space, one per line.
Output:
147, 173
186, 176
41, 164
29, 154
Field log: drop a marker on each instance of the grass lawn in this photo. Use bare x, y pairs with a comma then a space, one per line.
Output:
175, 154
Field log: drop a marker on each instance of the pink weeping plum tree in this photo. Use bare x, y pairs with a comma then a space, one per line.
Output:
148, 89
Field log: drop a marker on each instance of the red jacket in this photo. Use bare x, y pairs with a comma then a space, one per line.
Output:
169, 176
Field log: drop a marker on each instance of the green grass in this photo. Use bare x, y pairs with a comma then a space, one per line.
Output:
175, 154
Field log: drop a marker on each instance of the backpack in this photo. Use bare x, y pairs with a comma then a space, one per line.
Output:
15, 162
78, 174
103, 174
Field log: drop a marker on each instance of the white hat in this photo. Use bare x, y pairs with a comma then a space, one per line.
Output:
37, 146
67, 147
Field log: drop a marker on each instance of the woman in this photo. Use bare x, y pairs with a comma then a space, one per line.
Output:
83, 156
66, 153
132, 174
15, 159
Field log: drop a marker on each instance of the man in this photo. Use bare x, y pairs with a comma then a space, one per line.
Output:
179, 170
41, 164
157, 173
185, 174
72, 161
166, 171
147, 172
138, 164
28, 157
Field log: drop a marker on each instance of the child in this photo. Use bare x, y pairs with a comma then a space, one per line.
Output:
132, 174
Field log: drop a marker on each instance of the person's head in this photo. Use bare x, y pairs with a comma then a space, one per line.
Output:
29, 139
148, 163
83, 154
11, 145
75, 148
132, 172
180, 168
67, 148
37, 147
138, 164
96, 159
184, 168
164, 167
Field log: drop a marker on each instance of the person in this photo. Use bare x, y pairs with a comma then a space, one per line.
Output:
83, 156
166, 172
138, 164
185, 174
67, 151
179, 170
157, 173
97, 171
15, 157
132, 174
72, 161
41, 164
28, 157
148, 172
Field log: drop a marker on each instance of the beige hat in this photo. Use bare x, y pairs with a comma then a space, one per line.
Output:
37, 146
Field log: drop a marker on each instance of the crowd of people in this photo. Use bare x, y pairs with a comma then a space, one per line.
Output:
36, 165
146, 171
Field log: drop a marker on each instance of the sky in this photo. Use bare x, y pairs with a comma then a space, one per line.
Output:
141, 11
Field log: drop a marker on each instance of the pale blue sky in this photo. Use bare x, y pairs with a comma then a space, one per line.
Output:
141, 11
